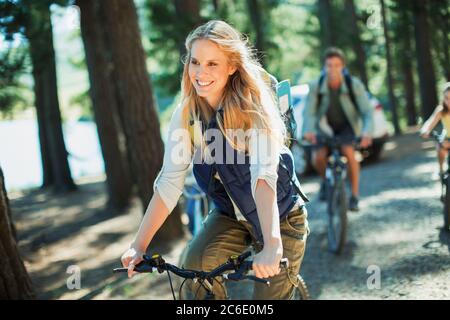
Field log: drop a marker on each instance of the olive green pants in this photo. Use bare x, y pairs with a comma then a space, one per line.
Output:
222, 236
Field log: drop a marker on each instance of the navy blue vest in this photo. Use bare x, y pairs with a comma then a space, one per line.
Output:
237, 184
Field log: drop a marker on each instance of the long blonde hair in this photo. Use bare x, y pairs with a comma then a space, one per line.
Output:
247, 102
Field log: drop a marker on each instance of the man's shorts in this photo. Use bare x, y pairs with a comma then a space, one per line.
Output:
346, 135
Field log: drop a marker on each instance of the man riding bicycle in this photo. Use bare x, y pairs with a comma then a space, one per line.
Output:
338, 105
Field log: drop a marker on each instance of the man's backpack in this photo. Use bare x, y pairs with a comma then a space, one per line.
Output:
348, 82
284, 99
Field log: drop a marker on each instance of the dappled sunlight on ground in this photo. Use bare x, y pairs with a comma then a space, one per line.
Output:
398, 230
56, 232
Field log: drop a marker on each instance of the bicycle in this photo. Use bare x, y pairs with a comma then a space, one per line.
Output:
335, 180
302, 157
235, 269
445, 182
197, 204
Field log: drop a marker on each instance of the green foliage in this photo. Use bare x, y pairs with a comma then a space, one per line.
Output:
12, 19
295, 32
168, 30
440, 39
166, 34
83, 101
12, 67
290, 40
17, 17
80, 100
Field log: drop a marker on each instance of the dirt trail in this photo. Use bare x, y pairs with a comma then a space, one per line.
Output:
397, 230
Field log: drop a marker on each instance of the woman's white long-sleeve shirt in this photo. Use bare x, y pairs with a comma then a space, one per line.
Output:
178, 155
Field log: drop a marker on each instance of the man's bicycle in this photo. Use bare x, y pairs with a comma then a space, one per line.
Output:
235, 269
445, 182
335, 181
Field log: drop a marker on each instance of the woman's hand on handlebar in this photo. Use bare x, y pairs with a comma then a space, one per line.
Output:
267, 262
425, 134
131, 258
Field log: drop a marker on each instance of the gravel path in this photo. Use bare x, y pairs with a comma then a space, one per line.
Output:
397, 231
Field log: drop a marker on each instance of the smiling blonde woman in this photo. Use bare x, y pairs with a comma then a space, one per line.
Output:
258, 200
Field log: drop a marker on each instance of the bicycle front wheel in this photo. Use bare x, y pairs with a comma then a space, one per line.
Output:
337, 217
301, 292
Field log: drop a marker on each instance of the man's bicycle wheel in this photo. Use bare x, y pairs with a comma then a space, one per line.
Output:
337, 217
301, 292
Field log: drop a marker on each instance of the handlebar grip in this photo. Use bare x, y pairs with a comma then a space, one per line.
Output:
140, 267
284, 263
238, 276
260, 280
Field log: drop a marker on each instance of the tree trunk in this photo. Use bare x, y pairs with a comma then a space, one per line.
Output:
444, 27
445, 61
104, 98
427, 78
356, 41
389, 68
6, 204
215, 5
136, 105
188, 16
407, 67
14, 280
47, 171
255, 12
326, 24
408, 83
54, 153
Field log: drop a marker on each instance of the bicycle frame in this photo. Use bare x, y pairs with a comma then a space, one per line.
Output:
444, 179
336, 166
440, 138
445, 185
335, 175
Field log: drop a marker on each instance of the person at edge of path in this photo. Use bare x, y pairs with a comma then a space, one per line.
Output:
256, 202
441, 113
330, 111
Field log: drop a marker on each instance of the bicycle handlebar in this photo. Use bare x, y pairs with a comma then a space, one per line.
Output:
333, 141
440, 138
238, 264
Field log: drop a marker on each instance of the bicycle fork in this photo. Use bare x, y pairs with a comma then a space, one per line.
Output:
335, 171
